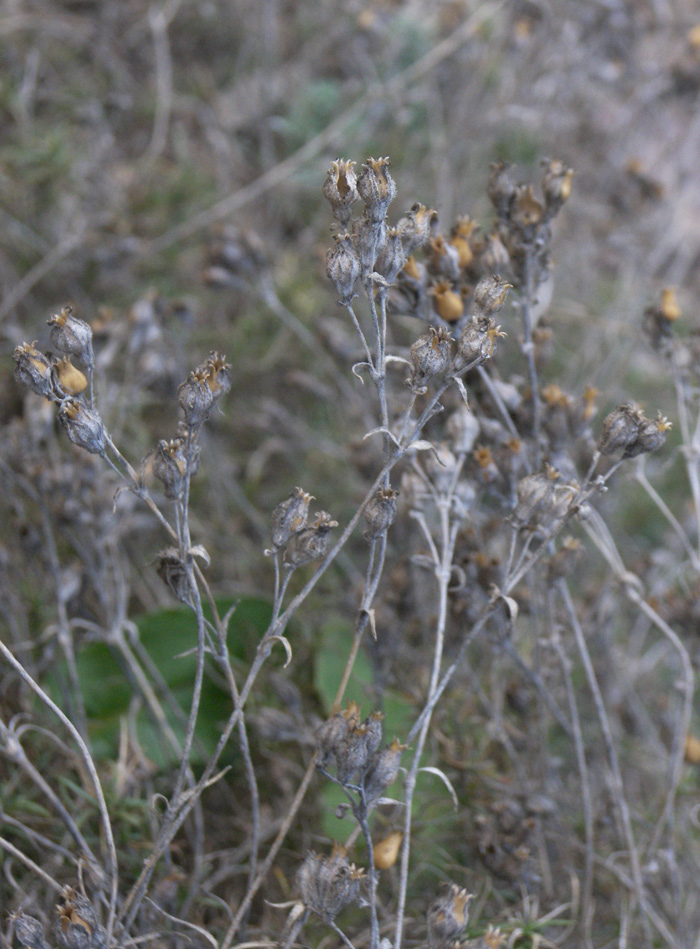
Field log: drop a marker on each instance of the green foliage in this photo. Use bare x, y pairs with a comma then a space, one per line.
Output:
168, 638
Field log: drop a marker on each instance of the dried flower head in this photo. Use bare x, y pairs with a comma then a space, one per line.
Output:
526, 211
626, 429
329, 884
343, 267
556, 185
29, 931
310, 543
489, 295
369, 237
430, 357
340, 190
415, 227
72, 336
380, 512
289, 517
196, 397
444, 258
448, 916
83, 426
393, 258
535, 500
218, 374
78, 925
170, 466
33, 369
376, 187
477, 342
383, 770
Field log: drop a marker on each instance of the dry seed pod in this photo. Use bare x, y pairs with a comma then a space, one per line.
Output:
72, 336
380, 512
445, 258
556, 185
369, 237
430, 356
78, 925
393, 258
340, 190
217, 373
526, 211
383, 770
343, 267
289, 517
627, 429
83, 426
448, 916
196, 398
489, 295
477, 343
33, 369
376, 187
329, 884
310, 543
29, 932
169, 466
620, 429
535, 499
415, 228
328, 738
651, 436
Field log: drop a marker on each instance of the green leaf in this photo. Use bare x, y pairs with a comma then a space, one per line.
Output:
169, 637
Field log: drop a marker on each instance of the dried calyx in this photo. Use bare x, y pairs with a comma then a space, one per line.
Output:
329, 884
628, 430
354, 746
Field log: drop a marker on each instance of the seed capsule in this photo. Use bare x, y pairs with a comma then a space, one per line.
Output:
170, 465
343, 267
33, 369
310, 543
376, 187
329, 884
196, 398
83, 426
289, 517
430, 356
340, 190
72, 336
448, 916
380, 512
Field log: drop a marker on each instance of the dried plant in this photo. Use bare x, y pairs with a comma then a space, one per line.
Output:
481, 485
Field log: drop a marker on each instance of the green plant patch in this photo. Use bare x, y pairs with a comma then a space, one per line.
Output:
169, 640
